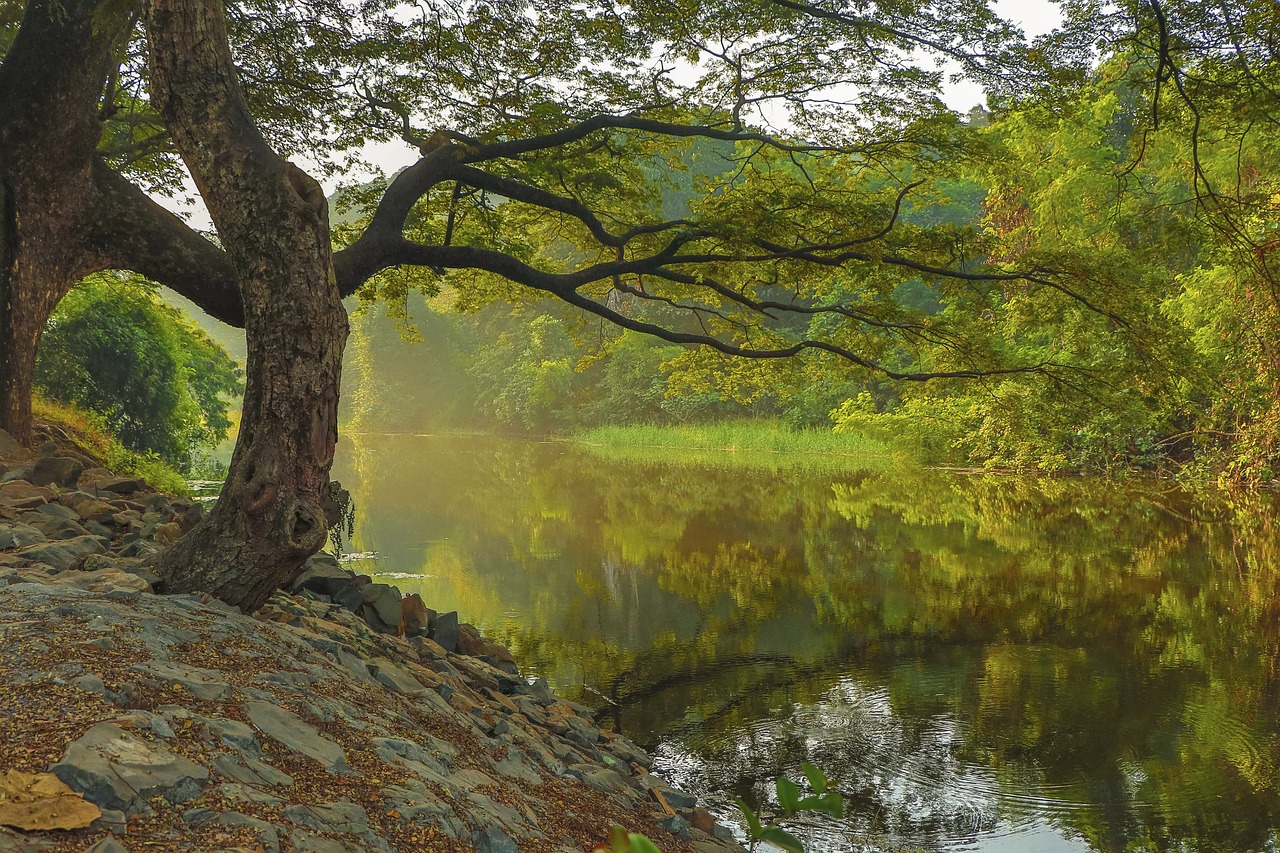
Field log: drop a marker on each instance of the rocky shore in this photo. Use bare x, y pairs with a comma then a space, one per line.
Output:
342, 716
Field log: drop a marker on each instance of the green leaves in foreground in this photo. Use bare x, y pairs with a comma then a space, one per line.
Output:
821, 800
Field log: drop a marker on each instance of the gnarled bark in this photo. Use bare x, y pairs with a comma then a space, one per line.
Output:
271, 515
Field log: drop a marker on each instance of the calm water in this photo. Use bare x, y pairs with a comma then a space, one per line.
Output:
988, 664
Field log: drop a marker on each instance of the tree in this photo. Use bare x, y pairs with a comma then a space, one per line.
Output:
161, 385
558, 109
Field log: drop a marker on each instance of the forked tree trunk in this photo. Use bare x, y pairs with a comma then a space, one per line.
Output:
271, 217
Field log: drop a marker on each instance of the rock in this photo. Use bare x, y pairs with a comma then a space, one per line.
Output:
405, 753
381, 607
56, 470
415, 617
84, 546
168, 533
207, 684
394, 677
10, 447
107, 845
290, 730
114, 769
494, 840
264, 833
58, 511
47, 450
19, 535
191, 516
322, 573
306, 842
95, 510
445, 631
251, 772
119, 485
51, 554
677, 826
23, 494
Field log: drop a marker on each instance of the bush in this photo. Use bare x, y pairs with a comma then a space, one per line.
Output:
158, 382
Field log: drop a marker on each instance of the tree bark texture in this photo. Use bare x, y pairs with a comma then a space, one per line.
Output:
272, 220
50, 83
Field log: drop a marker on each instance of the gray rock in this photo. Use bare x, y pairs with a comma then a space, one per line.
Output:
395, 678
343, 817
207, 684
417, 803
381, 606
233, 733
265, 833
445, 631
323, 574
107, 845
294, 733
56, 470
406, 753
247, 794
22, 472
51, 554
301, 841
58, 511
494, 840
115, 769
249, 771
19, 535
85, 546
677, 826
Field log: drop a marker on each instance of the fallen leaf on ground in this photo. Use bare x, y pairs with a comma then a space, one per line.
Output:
32, 801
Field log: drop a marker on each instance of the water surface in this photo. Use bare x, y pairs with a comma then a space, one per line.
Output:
986, 663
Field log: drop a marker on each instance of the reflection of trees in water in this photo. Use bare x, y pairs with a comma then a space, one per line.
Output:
1111, 646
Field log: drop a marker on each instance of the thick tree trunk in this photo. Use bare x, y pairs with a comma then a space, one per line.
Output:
50, 83
271, 217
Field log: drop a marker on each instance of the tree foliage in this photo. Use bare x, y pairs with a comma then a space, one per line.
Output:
161, 385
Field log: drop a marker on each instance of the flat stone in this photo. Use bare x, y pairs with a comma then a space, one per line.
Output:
120, 485
264, 832
51, 554
20, 490
83, 546
406, 753
57, 510
301, 841
494, 840
395, 678
294, 733
107, 845
247, 793
107, 581
115, 769
205, 684
416, 803
249, 771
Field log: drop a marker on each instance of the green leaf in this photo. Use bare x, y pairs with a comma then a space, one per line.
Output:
618, 840
779, 836
817, 779
788, 795
753, 822
641, 844
830, 803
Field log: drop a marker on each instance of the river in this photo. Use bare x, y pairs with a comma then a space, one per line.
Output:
986, 663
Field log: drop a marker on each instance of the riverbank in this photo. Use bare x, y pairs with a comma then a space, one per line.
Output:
342, 716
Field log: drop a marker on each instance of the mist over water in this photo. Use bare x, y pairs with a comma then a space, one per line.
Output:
986, 663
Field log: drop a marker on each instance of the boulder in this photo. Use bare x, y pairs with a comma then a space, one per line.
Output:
56, 470
323, 574
115, 769
10, 447
297, 735
445, 631
415, 616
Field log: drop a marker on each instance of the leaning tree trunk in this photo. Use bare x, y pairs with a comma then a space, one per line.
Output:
271, 218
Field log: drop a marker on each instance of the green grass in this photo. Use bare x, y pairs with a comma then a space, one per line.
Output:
88, 433
739, 444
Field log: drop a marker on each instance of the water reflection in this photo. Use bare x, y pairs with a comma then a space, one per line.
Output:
988, 664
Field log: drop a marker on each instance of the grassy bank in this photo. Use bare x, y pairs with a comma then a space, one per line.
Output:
742, 444
88, 433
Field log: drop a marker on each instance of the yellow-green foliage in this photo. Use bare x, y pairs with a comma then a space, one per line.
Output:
90, 434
